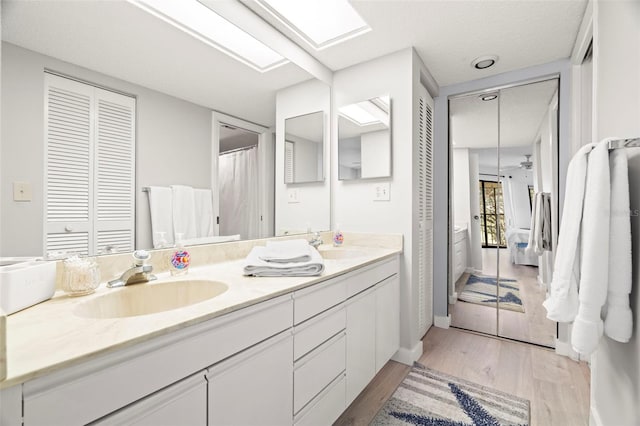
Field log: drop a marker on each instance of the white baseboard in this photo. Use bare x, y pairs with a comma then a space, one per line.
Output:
442, 322
453, 299
408, 356
565, 349
470, 270
594, 417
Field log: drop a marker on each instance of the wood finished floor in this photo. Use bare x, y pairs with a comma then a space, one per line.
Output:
531, 326
556, 386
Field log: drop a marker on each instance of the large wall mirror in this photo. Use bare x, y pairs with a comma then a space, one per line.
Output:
364, 139
175, 87
504, 163
304, 148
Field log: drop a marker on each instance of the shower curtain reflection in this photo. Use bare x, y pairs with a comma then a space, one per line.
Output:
238, 183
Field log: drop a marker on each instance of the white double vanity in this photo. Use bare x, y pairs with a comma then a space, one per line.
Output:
268, 351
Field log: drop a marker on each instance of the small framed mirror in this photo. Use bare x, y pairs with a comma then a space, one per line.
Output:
364, 139
304, 148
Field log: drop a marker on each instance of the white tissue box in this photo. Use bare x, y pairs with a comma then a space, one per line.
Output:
25, 284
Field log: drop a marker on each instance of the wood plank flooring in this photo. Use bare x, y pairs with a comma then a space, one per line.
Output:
531, 326
557, 387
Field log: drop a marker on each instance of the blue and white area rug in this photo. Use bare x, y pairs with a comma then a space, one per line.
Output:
482, 291
429, 398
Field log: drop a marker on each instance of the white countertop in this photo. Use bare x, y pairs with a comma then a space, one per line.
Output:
50, 336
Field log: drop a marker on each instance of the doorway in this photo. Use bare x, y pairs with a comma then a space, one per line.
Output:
503, 146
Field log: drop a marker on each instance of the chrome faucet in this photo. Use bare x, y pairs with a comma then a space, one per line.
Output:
140, 272
316, 240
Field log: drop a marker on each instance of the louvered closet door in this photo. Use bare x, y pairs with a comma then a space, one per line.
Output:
69, 159
89, 182
114, 171
425, 211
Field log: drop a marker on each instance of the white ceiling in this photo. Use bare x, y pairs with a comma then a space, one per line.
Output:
449, 34
118, 39
475, 123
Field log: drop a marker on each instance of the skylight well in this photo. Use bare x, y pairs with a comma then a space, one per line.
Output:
199, 21
321, 23
369, 112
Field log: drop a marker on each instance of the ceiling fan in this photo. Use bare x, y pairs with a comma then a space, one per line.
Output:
527, 164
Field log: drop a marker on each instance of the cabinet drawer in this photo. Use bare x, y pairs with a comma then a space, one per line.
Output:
326, 407
184, 403
312, 301
372, 275
311, 334
315, 371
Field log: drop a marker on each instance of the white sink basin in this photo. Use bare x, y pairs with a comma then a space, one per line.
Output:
340, 253
143, 299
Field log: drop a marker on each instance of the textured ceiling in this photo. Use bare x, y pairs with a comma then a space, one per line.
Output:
475, 123
449, 34
118, 39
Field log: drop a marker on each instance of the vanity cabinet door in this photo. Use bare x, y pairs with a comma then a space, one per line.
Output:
387, 320
254, 387
183, 403
361, 342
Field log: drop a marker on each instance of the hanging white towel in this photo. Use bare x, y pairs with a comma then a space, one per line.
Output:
562, 304
255, 266
184, 211
618, 323
204, 212
161, 210
594, 268
537, 219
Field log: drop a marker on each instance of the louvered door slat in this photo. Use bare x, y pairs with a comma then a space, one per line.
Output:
425, 211
115, 132
90, 140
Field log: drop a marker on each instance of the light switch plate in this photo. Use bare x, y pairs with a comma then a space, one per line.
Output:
21, 191
292, 196
382, 192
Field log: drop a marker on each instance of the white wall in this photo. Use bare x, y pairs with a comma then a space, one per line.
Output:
353, 205
173, 144
375, 153
313, 208
615, 376
306, 159
461, 206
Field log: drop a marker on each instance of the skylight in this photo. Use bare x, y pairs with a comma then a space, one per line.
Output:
369, 112
204, 24
321, 23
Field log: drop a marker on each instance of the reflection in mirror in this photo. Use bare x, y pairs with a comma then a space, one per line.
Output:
504, 152
176, 81
364, 139
304, 148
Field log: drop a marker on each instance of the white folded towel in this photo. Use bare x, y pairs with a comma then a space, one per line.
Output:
562, 304
290, 251
618, 323
594, 268
204, 212
257, 267
184, 211
161, 209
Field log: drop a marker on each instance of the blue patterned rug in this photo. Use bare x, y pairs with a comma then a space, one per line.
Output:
429, 398
482, 291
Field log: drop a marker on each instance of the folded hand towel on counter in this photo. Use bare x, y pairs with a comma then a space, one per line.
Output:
257, 267
290, 251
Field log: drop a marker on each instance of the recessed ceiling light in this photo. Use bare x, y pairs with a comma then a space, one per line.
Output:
489, 97
321, 23
484, 62
200, 22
